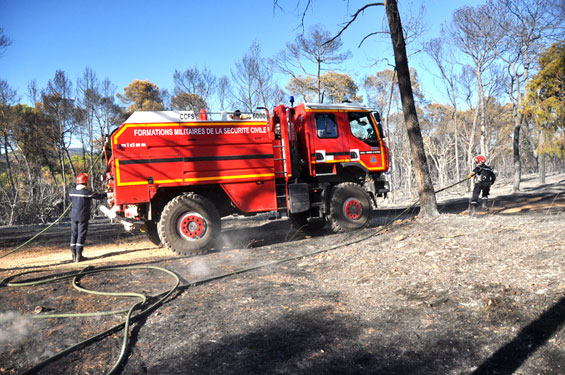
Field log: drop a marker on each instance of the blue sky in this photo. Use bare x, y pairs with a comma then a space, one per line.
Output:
148, 39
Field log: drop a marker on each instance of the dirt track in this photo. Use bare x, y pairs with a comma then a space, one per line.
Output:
440, 296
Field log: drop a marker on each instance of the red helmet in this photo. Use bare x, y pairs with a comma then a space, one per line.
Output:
82, 179
480, 159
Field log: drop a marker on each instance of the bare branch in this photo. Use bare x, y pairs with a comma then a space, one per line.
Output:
369, 35
353, 18
4, 41
308, 4
276, 6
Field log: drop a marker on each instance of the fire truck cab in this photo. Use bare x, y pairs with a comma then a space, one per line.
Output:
175, 174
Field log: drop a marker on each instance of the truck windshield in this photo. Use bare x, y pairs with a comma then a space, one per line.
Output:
362, 128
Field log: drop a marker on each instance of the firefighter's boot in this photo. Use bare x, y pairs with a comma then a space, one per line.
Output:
472, 208
73, 251
484, 203
78, 256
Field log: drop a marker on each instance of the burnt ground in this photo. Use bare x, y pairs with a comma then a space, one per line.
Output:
449, 295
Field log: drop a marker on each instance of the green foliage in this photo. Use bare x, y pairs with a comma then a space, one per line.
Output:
141, 96
34, 135
80, 162
4, 181
337, 87
545, 101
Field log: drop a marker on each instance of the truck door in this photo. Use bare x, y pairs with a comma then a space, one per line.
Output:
330, 142
365, 143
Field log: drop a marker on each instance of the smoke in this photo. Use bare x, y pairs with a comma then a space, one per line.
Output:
199, 268
238, 258
14, 327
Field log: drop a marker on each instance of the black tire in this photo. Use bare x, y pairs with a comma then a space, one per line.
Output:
152, 233
189, 224
350, 208
300, 222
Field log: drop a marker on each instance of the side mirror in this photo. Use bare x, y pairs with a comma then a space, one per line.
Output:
377, 116
380, 129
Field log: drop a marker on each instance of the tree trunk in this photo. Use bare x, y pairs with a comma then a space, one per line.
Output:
540, 157
519, 120
456, 137
320, 99
389, 102
542, 169
482, 142
426, 193
391, 146
71, 166
63, 175
8, 166
471, 145
517, 162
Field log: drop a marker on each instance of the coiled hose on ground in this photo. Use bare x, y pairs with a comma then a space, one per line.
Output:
140, 305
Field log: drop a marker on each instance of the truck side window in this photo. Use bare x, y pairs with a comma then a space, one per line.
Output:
326, 125
362, 128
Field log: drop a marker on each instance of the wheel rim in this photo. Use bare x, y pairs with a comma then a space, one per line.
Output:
192, 226
352, 209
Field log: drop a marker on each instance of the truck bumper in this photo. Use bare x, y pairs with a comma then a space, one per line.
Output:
112, 214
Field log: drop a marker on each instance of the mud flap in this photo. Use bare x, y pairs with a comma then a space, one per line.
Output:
298, 198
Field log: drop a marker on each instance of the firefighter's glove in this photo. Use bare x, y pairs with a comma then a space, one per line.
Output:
470, 175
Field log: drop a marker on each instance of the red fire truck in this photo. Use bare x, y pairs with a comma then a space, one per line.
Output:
175, 174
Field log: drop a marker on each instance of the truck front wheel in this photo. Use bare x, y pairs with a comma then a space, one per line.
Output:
350, 207
189, 224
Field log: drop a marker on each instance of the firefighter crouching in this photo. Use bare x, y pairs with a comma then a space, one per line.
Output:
81, 199
484, 178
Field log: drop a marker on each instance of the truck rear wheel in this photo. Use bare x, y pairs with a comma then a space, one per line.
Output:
350, 207
189, 224
152, 233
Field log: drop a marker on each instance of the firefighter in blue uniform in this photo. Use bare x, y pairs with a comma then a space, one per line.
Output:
484, 178
81, 199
